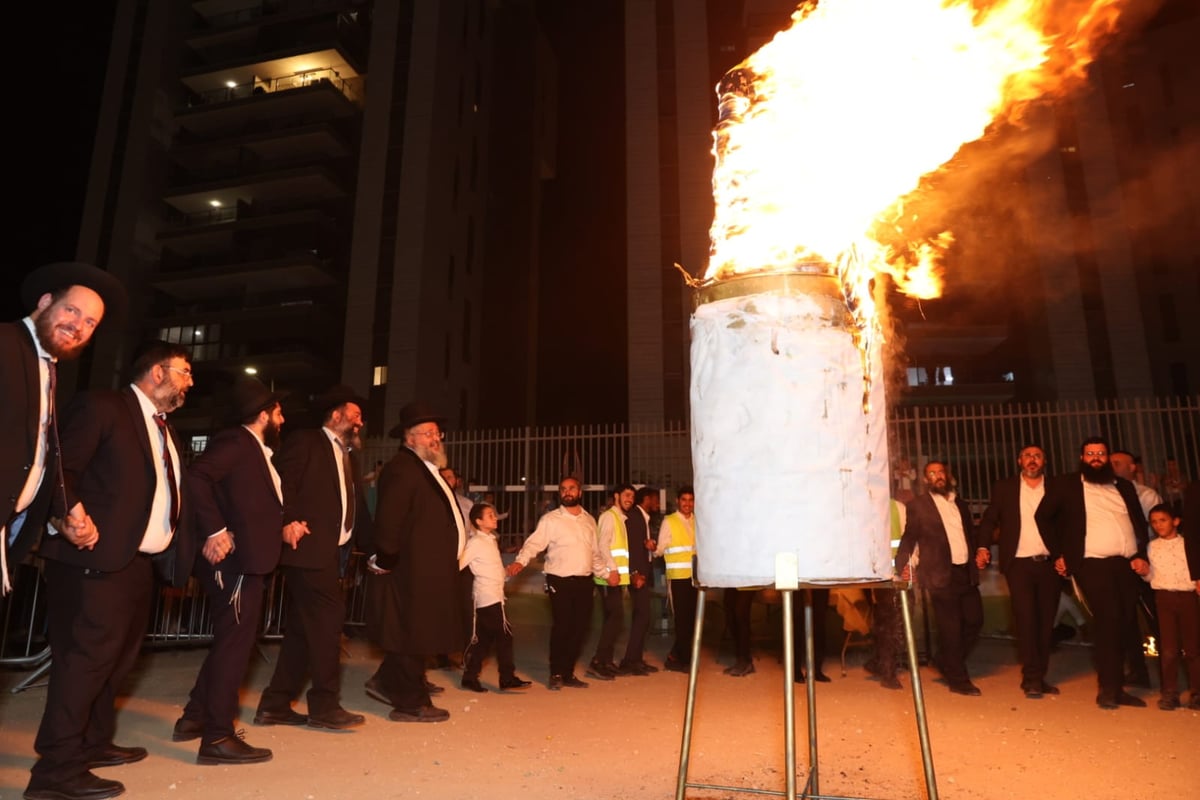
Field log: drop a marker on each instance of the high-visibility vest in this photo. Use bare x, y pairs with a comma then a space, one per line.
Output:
897, 528
678, 557
619, 548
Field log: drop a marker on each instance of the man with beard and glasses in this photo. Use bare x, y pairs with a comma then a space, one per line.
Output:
124, 478
324, 506
1033, 585
940, 524
237, 499
573, 558
68, 302
1092, 523
416, 606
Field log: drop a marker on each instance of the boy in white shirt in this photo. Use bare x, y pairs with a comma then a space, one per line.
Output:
489, 626
1178, 600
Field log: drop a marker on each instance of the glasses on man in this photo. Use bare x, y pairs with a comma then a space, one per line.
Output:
185, 372
434, 435
1096, 453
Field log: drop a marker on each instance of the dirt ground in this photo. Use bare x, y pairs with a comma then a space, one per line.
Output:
622, 739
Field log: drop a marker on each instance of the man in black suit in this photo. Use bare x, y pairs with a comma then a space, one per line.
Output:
237, 500
68, 302
940, 524
416, 607
125, 500
1093, 525
641, 549
1033, 585
324, 507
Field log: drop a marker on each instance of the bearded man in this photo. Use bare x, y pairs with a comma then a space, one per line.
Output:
415, 608
324, 506
68, 301
1092, 524
940, 523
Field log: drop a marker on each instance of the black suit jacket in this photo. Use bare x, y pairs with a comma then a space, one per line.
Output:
1062, 518
230, 487
109, 466
416, 609
1191, 533
924, 527
312, 493
20, 409
1004, 513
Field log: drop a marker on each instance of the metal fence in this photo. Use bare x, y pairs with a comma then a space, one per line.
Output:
518, 469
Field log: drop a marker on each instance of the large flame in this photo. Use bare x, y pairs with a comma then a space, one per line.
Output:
829, 126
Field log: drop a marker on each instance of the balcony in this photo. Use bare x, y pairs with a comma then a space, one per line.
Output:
286, 273
214, 234
222, 34
238, 103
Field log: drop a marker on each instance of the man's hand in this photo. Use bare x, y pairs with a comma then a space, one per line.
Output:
374, 568
1140, 566
79, 528
650, 545
217, 547
906, 573
293, 532
1060, 566
513, 568
614, 578
983, 557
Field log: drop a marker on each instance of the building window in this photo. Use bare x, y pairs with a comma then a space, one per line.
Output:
917, 376
203, 342
380, 377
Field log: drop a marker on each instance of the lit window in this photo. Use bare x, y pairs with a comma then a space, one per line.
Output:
380, 378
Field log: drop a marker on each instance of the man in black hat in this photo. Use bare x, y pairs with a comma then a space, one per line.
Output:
238, 501
324, 506
68, 301
125, 484
416, 603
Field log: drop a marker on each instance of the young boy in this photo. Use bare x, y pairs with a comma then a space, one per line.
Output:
1178, 601
489, 626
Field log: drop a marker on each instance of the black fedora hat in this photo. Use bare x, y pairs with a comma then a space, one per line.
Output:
413, 414
336, 396
251, 396
50, 278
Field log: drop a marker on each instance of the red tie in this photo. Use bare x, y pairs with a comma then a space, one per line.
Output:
161, 422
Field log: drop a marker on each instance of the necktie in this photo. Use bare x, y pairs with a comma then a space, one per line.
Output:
348, 477
173, 486
53, 444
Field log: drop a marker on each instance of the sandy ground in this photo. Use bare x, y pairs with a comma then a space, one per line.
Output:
622, 739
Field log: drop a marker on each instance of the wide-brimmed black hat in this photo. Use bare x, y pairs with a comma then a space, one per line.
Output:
336, 396
414, 414
50, 278
251, 396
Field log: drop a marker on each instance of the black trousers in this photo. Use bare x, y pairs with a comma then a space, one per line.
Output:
1110, 587
737, 620
96, 622
401, 679
571, 620
958, 612
214, 698
312, 642
490, 633
820, 609
639, 624
1034, 588
683, 603
612, 614
887, 629
1135, 655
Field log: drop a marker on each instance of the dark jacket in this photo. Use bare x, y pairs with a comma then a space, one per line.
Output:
1062, 518
312, 493
1191, 533
231, 487
20, 409
1004, 513
416, 609
923, 526
109, 466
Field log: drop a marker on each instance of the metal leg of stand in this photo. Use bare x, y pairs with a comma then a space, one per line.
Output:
789, 694
686, 746
918, 696
810, 688
31, 681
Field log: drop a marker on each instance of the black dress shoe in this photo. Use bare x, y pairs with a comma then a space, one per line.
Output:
890, 682
339, 719
422, 714
1049, 688
741, 669
433, 688
114, 756
600, 671
648, 668
1126, 699
85, 786
288, 717
231, 750
573, 682
965, 688
187, 729
673, 664
514, 683
628, 668
473, 685
555, 683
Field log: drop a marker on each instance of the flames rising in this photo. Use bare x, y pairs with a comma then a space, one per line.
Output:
827, 128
